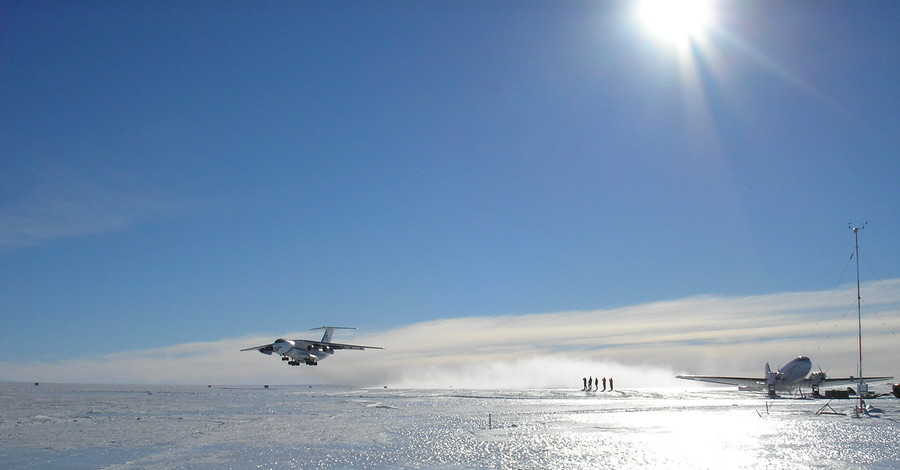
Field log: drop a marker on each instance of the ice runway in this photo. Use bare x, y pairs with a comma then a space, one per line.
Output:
198, 427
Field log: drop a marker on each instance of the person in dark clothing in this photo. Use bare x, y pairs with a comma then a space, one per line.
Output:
584, 381
604, 384
610, 384
596, 383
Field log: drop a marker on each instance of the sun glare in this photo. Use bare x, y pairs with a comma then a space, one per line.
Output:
677, 21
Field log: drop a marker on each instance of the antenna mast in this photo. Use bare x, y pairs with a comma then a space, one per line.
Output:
860, 385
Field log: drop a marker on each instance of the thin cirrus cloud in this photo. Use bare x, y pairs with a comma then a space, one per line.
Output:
641, 346
62, 205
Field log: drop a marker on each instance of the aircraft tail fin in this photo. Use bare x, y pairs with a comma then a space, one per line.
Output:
329, 331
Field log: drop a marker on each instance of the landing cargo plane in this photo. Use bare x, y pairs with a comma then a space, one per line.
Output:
309, 352
792, 376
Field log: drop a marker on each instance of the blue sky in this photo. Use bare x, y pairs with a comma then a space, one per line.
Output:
182, 172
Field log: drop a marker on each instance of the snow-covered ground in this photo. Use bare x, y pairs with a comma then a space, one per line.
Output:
198, 427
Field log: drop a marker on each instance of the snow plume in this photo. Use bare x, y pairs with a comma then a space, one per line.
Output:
532, 373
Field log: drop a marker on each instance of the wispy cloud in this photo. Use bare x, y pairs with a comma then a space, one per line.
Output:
62, 204
641, 346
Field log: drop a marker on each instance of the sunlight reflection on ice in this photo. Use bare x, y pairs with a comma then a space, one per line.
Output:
131, 427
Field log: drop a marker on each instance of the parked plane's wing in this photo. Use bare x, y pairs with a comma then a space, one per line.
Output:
852, 380
739, 381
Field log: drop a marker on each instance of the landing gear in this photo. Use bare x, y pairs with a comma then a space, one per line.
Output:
297, 363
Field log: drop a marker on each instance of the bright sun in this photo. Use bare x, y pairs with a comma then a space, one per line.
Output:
677, 21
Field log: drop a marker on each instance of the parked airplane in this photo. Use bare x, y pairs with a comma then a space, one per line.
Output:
309, 352
792, 376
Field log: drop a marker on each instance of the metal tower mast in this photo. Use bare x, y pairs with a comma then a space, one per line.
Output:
861, 387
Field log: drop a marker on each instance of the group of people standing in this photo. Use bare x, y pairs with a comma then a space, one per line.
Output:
593, 384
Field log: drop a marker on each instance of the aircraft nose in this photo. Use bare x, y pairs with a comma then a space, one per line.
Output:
282, 346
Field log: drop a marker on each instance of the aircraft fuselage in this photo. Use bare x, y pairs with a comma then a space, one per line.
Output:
787, 378
297, 352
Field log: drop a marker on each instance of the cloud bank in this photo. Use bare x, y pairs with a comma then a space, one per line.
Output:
641, 346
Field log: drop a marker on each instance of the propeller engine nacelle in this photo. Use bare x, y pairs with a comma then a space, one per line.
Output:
817, 378
771, 377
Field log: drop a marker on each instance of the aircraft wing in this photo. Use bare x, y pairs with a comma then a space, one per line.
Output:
851, 380
265, 349
739, 381
337, 346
